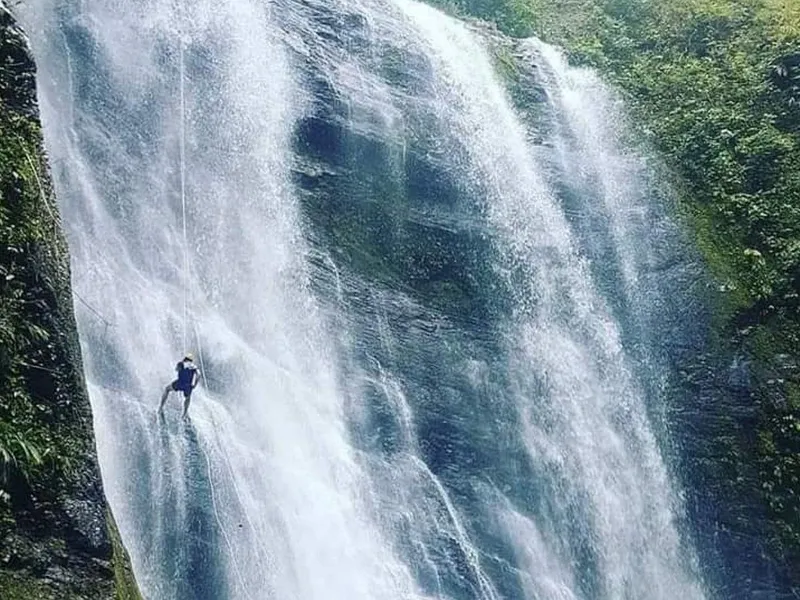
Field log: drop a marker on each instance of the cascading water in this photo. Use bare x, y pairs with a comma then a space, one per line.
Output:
421, 304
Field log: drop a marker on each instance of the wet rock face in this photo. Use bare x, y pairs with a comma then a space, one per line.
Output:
54, 540
384, 182
388, 205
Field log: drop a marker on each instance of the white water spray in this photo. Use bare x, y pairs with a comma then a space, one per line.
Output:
265, 495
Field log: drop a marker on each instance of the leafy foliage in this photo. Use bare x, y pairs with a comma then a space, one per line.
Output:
37, 441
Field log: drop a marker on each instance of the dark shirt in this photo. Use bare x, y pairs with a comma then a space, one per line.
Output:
186, 371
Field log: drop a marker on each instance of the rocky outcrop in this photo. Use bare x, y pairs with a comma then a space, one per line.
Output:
57, 537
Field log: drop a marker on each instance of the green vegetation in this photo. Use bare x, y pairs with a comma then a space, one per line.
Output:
714, 86
42, 433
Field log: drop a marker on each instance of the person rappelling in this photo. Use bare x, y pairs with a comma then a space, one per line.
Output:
188, 373
188, 378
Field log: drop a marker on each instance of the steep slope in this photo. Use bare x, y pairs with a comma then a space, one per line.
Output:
54, 523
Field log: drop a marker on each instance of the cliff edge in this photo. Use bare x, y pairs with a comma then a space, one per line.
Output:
57, 536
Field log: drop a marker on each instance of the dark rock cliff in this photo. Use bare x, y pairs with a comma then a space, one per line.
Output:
57, 536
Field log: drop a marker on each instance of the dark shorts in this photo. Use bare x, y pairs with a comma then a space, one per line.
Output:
177, 387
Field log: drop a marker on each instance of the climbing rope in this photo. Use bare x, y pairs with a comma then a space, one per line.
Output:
183, 186
182, 85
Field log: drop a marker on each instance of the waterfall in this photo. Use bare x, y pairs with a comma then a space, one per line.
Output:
425, 294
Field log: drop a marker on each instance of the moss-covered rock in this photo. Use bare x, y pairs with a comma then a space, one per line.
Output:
54, 525
124, 580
